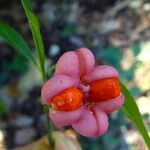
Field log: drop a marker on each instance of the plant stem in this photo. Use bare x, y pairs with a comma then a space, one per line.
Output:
48, 122
49, 127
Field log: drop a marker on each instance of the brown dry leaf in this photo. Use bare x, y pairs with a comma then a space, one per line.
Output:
13, 91
62, 142
41, 144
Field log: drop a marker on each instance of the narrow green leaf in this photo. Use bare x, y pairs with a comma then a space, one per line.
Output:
34, 25
13, 38
130, 108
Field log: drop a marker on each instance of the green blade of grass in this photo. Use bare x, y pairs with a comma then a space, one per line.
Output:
35, 29
131, 110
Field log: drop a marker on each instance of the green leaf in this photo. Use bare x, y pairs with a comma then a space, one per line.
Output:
35, 29
18, 64
131, 109
13, 38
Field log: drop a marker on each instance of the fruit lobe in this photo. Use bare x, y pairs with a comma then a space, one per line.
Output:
104, 89
68, 100
82, 67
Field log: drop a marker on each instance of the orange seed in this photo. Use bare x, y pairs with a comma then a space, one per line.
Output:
68, 100
104, 89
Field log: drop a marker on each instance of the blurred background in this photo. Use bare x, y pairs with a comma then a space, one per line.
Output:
118, 33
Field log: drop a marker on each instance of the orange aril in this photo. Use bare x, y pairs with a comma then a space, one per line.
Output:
104, 89
68, 100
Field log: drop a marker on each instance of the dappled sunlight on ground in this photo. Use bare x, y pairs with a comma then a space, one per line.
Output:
2, 146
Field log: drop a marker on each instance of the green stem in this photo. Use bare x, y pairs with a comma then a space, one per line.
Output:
48, 122
49, 127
